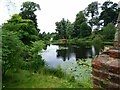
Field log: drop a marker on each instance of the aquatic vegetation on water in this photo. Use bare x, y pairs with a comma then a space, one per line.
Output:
81, 70
62, 48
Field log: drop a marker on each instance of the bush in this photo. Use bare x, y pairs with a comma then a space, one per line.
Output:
37, 61
108, 32
12, 49
37, 46
98, 39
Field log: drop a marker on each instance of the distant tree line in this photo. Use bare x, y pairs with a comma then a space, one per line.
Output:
94, 20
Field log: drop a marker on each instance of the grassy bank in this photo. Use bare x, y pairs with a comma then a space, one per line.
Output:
82, 42
72, 41
108, 43
43, 79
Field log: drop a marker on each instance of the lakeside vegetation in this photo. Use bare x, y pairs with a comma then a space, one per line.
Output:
22, 67
81, 42
45, 78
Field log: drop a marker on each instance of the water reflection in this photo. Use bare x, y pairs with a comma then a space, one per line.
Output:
65, 52
57, 54
81, 52
93, 50
72, 60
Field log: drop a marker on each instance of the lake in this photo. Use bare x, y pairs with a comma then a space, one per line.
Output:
58, 54
72, 59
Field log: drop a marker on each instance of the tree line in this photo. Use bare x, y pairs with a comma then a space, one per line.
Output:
94, 21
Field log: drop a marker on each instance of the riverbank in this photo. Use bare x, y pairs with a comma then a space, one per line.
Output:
43, 79
81, 42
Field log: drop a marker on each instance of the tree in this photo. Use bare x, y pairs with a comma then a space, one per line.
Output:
92, 11
85, 30
70, 28
63, 29
25, 28
108, 32
28, 11
45, 36
37, 63
81, 29
20, 46
109, 13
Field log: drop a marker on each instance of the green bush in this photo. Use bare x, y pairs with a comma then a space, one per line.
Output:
37, 46
108, 32
98, 39
12, 50
37, 61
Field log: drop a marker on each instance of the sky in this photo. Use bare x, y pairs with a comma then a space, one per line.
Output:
51, 11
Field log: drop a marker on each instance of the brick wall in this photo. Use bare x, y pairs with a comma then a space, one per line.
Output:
106, 72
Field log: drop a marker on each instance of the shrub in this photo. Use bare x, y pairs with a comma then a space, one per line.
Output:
12, 49
98, 39
37, 61
108, 32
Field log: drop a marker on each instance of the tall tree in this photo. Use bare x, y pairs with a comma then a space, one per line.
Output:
28, 11
80, 26
63, 29
70, 28
85, 30
92, 9
109, 13
23, 27
92, 12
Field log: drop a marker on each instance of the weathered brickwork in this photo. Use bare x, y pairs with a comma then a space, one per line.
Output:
106, 72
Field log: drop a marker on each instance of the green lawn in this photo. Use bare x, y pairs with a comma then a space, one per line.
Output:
26, 79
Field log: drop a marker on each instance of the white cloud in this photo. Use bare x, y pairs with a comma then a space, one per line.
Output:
51, 11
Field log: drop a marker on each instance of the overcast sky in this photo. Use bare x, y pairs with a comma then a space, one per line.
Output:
51, 11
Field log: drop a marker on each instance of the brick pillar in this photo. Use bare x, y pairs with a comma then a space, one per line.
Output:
106, 72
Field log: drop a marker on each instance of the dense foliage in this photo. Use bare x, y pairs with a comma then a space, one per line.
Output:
95, 20
12, 50
21, 45
28, 11
92, 12
24, 28
64, 29
81, 28
109, 12
108, 32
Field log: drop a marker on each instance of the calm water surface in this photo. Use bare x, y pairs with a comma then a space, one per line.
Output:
58, 54
69, 58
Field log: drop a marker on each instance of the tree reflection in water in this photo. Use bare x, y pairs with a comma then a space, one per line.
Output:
57, 54
79, 52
